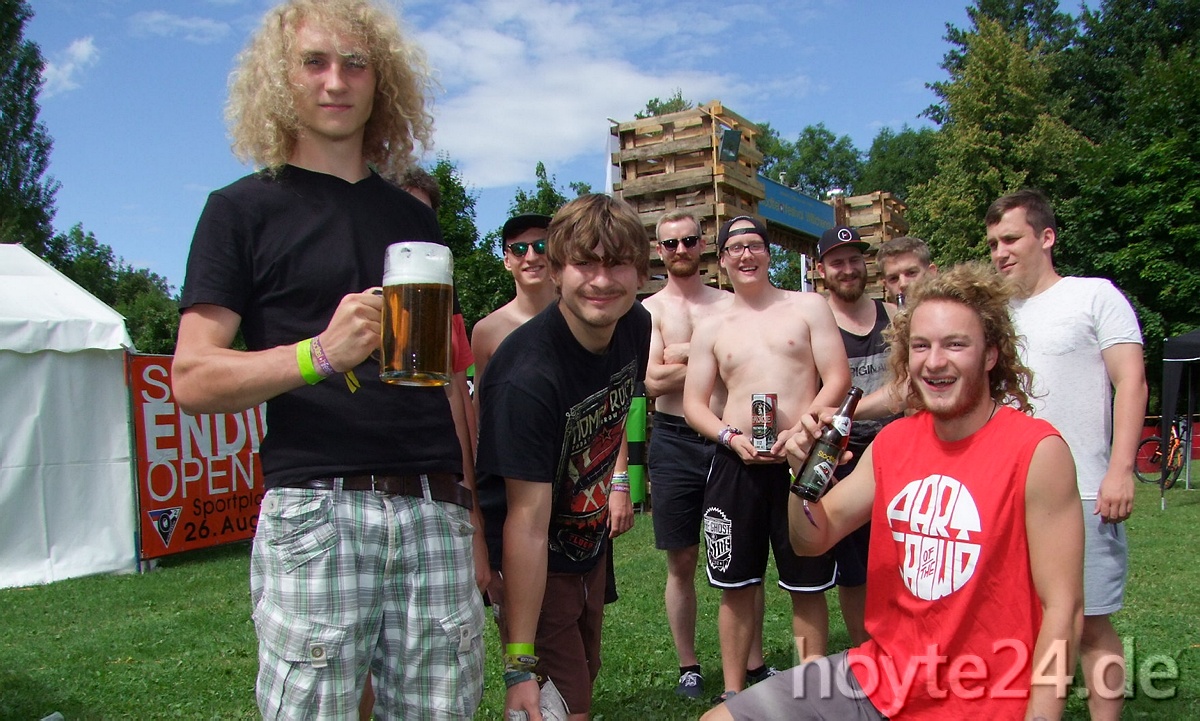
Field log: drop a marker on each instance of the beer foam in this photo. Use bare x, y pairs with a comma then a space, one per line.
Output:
417, 262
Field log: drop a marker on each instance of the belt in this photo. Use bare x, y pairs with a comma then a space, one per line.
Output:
677, 424
443, 487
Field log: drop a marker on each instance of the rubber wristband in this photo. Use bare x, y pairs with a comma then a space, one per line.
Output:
620, 476
620, 488
304, 360
808, 513
519, 649
321, 361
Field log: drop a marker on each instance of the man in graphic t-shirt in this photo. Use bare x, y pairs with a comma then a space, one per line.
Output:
976, 599
553, 405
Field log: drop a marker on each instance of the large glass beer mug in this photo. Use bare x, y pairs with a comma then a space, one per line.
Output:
418, 300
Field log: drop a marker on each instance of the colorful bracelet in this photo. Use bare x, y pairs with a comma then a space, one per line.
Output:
518, 668
324, 367
619, 488
304, 360
512, 678
726, 435
519, 649
808, 513
619, 476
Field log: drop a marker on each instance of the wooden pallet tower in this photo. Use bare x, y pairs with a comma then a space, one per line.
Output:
703, 160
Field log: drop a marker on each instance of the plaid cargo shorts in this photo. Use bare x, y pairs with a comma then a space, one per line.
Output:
349, 582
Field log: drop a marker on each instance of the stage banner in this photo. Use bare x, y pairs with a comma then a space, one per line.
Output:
199, 479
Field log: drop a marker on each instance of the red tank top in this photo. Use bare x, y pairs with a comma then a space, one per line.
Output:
951, 606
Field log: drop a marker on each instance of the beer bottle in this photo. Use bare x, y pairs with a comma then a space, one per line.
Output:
900, 301
814, 479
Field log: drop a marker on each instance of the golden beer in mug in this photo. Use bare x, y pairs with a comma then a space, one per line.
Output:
418, 301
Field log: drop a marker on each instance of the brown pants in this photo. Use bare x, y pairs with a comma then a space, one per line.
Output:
568, 634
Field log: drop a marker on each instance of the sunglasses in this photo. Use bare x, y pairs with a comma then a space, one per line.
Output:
520, 249
673, 243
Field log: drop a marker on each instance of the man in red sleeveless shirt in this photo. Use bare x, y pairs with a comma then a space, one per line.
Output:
974, 585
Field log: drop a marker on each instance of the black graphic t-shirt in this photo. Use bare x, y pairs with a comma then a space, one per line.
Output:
553, 412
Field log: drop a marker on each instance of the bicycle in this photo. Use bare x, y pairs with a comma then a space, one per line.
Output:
1148, 464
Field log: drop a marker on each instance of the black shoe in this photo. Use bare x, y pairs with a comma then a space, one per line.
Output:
763, 674
691, 685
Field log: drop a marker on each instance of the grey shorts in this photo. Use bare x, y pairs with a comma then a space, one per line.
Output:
1105, 564
820, 689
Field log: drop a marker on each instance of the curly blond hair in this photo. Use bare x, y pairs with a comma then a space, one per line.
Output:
261, 108
978, 286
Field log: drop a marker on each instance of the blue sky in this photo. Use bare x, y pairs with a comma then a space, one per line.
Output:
134, 90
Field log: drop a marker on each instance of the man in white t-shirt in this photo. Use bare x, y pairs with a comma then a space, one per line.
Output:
1083, 343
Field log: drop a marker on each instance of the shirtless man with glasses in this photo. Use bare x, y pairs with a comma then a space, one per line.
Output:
768, 340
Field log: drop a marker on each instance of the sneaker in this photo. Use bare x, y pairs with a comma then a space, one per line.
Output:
691, 685
718, 700
763, 675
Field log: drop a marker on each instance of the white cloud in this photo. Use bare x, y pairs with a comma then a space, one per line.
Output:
529, 80
62, 73
197, 30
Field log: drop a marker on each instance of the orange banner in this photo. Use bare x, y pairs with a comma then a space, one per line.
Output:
199, 478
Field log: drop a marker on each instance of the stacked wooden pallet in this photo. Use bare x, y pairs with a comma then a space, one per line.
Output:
703, 160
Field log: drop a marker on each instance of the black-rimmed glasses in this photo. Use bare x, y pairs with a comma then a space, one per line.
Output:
755, 247
520, 249
689, 241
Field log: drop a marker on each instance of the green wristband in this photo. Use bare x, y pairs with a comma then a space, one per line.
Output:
519, 649
304, 359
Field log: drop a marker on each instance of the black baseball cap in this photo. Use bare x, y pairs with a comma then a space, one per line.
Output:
724, 233
840, 235
518, 224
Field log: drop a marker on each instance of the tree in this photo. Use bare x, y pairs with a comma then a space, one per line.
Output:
143, 297
656, 107
456, 213
1136, 219
1117, 40
546, 197
479, 276
815, 163
1037, 24
26, 198
897, 162
1003, 132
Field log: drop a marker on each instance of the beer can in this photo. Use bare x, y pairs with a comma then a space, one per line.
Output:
762, 420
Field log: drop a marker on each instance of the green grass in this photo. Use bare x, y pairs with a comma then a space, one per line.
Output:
178, 643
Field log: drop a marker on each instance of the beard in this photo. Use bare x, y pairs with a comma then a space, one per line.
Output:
849, 291
683, 266
972, 394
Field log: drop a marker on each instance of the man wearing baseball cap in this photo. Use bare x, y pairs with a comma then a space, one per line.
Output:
861, 322
524, 241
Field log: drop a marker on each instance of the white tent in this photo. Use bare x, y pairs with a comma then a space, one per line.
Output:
66, 483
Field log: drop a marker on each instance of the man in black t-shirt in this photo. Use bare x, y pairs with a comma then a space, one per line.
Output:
363, 553
553, 406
